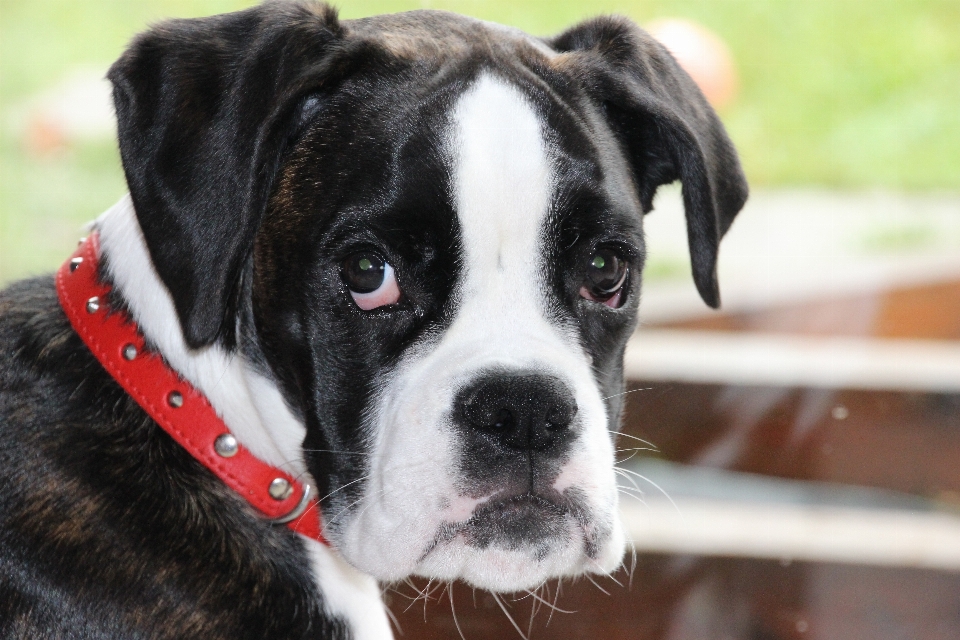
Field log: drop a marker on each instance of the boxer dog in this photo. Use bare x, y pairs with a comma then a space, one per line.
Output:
398, 259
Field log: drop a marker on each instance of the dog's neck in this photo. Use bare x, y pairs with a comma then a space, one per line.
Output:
249, 403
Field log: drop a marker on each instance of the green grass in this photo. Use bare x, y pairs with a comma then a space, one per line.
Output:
899, 239
841, 93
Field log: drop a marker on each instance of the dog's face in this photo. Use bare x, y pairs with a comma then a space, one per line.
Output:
475, 362
428, 231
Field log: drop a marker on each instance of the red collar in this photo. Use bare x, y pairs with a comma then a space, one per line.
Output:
179, 409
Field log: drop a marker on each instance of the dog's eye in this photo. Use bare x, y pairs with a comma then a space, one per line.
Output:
371, 280
606, 275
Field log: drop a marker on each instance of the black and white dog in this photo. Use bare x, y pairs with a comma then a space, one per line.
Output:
401, 257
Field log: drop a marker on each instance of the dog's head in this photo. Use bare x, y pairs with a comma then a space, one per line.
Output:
427, 231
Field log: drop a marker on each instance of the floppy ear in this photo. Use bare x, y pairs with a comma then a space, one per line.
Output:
667, 129
205, 110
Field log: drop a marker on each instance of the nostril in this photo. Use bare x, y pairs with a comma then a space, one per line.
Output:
504, 420
560, 415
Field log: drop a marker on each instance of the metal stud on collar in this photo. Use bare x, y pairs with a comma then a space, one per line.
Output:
280, 489
76, 262
175, 399
129, 352
93, 304
298, 511
226, 445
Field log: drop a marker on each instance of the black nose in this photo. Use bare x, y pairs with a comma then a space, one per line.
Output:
524, 412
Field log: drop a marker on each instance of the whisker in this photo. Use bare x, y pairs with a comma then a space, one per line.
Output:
623, 474
654, 484
346, 508
552, 606
225, 369
626, 392
421, 593
341, 512
426, 599
413, 600
407, 582
636, 497
533, 615
339, 453
364, 510
634, 491
610, 576
594, 583
393, 619
427, 590
286, 464
628, 458
636, 449
509, 617
453, 609
640, 440
361, 478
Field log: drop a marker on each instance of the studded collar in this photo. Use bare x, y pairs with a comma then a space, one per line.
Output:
174, 404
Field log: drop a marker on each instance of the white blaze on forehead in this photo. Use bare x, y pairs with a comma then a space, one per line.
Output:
502, 184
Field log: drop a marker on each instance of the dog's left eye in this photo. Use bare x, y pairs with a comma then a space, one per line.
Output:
606, 275
371, 280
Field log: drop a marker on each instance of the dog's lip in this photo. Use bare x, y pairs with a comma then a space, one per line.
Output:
516, 505
505, 501
517, 502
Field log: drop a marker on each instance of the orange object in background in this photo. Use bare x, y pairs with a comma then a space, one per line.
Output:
702, 54
44, 137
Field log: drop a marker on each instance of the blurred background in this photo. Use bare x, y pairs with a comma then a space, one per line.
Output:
791, 464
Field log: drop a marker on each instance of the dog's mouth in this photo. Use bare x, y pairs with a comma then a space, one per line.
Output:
518, 521
525, 521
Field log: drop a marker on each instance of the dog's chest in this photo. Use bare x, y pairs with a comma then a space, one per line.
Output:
108, 528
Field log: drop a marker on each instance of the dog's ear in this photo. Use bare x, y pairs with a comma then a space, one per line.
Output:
667, 129
205, 110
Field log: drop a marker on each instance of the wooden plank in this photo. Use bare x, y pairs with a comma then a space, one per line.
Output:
880, 537
778, 360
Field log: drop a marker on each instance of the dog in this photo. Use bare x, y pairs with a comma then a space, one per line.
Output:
395, 259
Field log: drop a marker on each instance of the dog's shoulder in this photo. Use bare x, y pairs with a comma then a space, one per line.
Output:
107, 525
30, 323
41, 359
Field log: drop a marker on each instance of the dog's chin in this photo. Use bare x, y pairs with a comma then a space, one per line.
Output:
518, 544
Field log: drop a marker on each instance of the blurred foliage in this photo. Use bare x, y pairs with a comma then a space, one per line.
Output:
842, 93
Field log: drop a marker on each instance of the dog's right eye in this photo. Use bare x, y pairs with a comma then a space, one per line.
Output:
605, 277
371, 280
